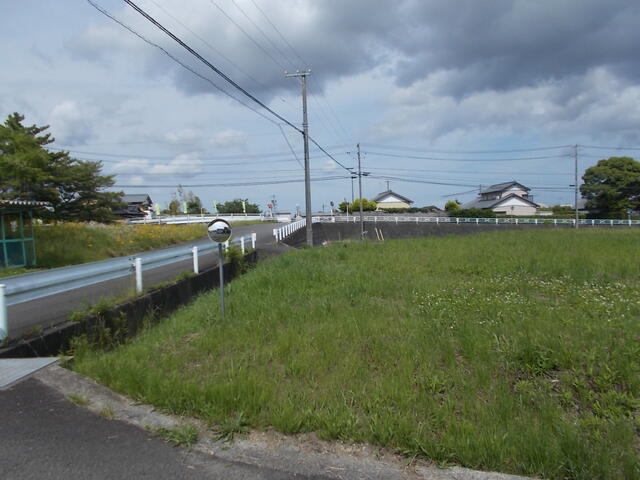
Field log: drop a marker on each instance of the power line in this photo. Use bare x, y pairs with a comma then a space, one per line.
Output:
257, 27
172, 157
305, 63
280, 34
224, 76
516, 150
243, 184
266, 52
600, 147
172, 57
468, 172
219, 72
211, 47
444, 159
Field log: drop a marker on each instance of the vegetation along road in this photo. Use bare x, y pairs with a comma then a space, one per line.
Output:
30, 316
513, 351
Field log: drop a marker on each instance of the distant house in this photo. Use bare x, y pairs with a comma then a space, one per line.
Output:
391, 199
508, 198
138, 205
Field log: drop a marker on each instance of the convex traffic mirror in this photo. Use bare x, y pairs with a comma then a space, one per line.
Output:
219, 230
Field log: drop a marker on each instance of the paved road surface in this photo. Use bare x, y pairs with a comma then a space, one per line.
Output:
47, 311
44, 436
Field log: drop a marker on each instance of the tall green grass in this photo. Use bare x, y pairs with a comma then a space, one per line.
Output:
73, 243
511, 351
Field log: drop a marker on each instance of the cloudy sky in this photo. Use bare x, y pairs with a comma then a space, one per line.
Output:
442, 95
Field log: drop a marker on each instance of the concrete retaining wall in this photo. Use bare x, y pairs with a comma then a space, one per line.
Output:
125, 319
336, 232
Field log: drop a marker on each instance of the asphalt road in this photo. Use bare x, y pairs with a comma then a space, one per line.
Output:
44, 436
54, 309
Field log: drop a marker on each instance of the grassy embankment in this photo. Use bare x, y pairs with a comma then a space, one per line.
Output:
513, 351
73, 243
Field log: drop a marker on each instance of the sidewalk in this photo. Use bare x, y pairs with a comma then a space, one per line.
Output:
44, 435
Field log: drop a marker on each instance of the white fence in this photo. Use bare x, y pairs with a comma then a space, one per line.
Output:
188, 219
459, 220
286, 230
283, 232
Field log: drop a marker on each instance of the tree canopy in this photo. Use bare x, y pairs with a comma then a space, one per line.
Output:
235, 206
29, 171
612, 186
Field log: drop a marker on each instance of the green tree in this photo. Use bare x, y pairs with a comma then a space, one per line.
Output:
235, 206
28, 171
343, 206
367, 205
452, 206
612, 186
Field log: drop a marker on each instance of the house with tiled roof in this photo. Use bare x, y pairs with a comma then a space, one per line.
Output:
391, 199
507, 198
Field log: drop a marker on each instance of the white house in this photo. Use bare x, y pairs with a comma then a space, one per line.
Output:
508, 198
390, 199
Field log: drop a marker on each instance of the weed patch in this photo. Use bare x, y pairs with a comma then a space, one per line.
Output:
509, 351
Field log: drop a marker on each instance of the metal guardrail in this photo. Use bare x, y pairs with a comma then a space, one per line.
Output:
31, 286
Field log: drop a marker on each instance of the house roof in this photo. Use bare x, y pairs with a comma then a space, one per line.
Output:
382, 195
501, 187
136, 198
477, 203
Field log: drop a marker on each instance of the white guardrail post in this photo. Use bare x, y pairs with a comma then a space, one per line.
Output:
242, 244
253, 240
194, 252
4, 321
137, 265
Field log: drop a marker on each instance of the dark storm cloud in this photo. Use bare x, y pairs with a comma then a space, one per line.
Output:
493, 44
506, 44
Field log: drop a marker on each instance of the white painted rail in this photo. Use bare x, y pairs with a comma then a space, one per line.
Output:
286, 230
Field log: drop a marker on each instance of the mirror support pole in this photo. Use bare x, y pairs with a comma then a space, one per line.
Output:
221, 270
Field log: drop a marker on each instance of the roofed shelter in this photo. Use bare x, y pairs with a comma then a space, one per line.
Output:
17, 242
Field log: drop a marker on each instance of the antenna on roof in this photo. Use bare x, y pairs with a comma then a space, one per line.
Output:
388, 189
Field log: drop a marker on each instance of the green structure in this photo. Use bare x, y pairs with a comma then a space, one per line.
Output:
17, 243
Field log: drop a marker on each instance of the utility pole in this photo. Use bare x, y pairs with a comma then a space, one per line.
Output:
353, 198
575, 179
360, 194
305, 134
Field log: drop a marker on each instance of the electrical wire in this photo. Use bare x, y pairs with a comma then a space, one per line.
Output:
211, 47
257, 27
255, 42
243, 184
516, 150
175, 59
444, 159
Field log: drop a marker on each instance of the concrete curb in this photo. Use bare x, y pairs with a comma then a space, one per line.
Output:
302, 455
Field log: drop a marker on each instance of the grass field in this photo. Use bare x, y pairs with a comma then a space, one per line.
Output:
514, 351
